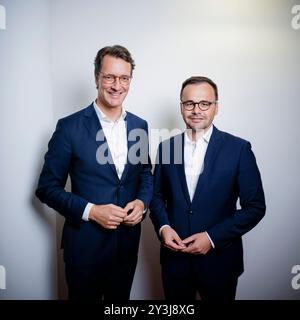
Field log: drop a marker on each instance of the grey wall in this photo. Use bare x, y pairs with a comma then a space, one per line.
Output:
27, 229
248, 47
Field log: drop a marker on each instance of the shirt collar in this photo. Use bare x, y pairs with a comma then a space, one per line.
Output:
103, 117
205, 137
208, 134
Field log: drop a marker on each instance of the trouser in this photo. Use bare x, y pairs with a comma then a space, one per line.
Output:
98, 283
178, 286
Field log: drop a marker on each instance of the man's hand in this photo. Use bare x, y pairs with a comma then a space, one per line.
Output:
109, 216
171, 239
197, 243
135, 210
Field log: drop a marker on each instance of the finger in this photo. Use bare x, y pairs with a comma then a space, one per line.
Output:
117, 208
178, 245
188, 240
173, 236
137, 220
118, 215
129, 206
107, 224
115, 220
135, 214
179, 241
111, 227
174, 245
132, 218
170, 247
192, 250
134, 221
113, 223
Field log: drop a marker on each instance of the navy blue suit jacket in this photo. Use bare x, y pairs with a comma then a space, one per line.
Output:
72, 151
230, 172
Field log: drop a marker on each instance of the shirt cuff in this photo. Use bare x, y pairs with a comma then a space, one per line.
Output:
86, 211
212, 244
162, 227
146, 208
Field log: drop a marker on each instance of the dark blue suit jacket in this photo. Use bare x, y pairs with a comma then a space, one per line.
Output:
230, 172
72, 151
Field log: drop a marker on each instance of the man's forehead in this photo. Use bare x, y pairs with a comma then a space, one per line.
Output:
111, 63
198, 89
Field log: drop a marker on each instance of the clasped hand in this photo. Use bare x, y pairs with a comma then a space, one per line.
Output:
110, 216
197, 243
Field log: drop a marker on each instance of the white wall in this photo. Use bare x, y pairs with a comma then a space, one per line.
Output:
27, 234
248, 47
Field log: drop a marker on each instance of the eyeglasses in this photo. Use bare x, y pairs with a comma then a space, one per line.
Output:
111, 78
203, 105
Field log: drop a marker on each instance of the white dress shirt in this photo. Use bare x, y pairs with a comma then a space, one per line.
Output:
116, 135
194, 154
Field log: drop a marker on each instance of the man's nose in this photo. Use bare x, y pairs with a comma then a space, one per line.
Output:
116, 85
197, 109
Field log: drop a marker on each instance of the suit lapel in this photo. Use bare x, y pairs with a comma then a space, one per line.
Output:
129, 127
94, 127
180, 168
213, 148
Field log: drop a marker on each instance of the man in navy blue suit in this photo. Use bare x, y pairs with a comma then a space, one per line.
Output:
198, 178
104, 151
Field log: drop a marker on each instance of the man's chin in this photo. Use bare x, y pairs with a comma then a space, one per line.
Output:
115, 104
198, 128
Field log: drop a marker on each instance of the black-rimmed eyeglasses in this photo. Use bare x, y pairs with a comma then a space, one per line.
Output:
204, 105
111, 78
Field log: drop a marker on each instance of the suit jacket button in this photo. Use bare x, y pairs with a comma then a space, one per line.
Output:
191, 212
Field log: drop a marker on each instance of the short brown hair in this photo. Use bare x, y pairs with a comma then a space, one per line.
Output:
197, 80
116, 51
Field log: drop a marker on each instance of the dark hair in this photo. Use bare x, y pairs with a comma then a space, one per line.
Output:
197, 80
114, 51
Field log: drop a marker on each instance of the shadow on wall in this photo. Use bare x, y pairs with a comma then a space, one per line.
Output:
147, 284
61, 278
46, 217
56, 261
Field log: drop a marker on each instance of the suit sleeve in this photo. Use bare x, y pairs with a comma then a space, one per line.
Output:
54, 174
252, 202
158, 212
145, 191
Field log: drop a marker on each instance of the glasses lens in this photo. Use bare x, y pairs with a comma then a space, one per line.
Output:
108, 78
189, 105
124, 79
204, 105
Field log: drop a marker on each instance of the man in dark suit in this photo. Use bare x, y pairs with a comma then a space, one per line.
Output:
109, 193
198, 178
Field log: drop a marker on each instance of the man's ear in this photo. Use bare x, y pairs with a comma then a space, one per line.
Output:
217, 108
96, 81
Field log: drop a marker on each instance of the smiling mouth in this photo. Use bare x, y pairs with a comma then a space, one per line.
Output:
196, 119
115, 94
